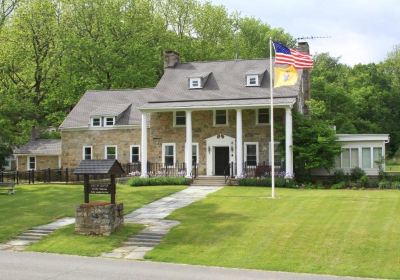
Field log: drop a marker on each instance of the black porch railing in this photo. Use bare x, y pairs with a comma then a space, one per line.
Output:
259, 170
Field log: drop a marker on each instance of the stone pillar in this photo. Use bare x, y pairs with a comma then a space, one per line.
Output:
144, 146
188, 145
239, 144
288, 143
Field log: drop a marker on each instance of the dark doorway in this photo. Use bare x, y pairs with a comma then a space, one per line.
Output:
221, 159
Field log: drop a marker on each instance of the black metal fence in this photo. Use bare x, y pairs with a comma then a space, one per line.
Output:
261, 169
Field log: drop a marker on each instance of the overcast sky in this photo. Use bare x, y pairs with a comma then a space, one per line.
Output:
361, 31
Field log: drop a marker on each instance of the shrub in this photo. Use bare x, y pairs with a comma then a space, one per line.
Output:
384, 184
373, 183
356, 173
266, 182
339, 186
158, 181
364, 181
396, 185
339, 176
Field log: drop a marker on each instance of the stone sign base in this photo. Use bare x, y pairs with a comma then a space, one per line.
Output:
99, 218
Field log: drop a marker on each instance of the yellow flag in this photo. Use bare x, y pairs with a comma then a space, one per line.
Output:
285, 76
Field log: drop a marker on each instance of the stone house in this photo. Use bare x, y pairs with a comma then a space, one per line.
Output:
203, 114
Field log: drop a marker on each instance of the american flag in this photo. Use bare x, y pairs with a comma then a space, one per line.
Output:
284, 55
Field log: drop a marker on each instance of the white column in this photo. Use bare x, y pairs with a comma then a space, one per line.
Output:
143, 146
288, 142
239, 144
188, 145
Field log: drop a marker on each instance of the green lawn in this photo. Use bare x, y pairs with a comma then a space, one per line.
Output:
40, 204
61, 240
392, 168
341, 232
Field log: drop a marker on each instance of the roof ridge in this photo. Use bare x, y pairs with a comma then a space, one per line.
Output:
224, 60
119, 89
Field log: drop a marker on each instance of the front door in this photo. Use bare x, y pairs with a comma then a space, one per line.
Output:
221, 159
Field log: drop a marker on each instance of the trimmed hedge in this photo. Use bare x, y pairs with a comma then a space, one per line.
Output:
266, 182
158, 181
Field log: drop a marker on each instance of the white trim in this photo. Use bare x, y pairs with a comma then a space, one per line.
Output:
59, 161
110, 146
215, 117
83, 151
252, 76
245, 144
92, 121
216, 141
105, 121
163, 151
174, 120
197, 152
198, 80
28, 165
362, 137
269, 116
80, 128
130, 152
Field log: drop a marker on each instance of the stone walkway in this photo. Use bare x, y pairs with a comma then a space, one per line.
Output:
152, 216
34, 235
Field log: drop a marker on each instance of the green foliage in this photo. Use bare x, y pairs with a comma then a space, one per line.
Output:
266, 182
356, 173
339, 176
314, 145
384, 184
158, 181
396, 185
339, 186
364, 181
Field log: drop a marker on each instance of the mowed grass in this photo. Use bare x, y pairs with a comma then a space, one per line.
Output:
340, 232
66, 241
392, 168
41, 204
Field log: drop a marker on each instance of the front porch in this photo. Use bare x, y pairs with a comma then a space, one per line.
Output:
187, 139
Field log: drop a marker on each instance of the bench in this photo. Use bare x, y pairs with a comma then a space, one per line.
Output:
8, 186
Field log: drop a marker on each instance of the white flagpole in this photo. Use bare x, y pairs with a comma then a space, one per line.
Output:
272, 146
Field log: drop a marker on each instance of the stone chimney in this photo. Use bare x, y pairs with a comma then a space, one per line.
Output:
171, 59
34, 133
305, 86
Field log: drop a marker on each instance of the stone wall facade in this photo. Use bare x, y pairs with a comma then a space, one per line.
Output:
42, 162
162, 131
98, 218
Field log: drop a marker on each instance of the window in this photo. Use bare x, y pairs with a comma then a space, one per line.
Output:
277, 158
366, 157
96, 121
350, 158
262, 116
195, 153
109, 121
110, 152
252, 80
377, 157
31, 163
135, 153
346, 158
251, 153
194, 83
354, 157
168, 151
87, 152
180, 118
220, 117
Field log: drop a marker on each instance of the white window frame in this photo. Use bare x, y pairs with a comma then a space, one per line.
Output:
83, 151
174, 121
197, 152
270, 152
110, 146
245, 144
257, 117
215, 117
28, 166
249, 78
130, 152
92, 121
191, 80
105, 121
163, 151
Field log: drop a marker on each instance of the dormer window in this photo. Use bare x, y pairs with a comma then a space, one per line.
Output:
252, 81
194, 83
109, 121
96, 121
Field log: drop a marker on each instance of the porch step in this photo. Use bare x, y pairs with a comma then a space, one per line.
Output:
209, 181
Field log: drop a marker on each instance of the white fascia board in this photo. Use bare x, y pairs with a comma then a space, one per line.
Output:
362, 137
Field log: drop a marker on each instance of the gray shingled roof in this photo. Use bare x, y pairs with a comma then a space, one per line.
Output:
102, 166
94, 102
261, 102
225, 85
41, 147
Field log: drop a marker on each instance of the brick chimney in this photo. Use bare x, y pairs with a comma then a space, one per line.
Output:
171, 59
305, 86
34, 133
